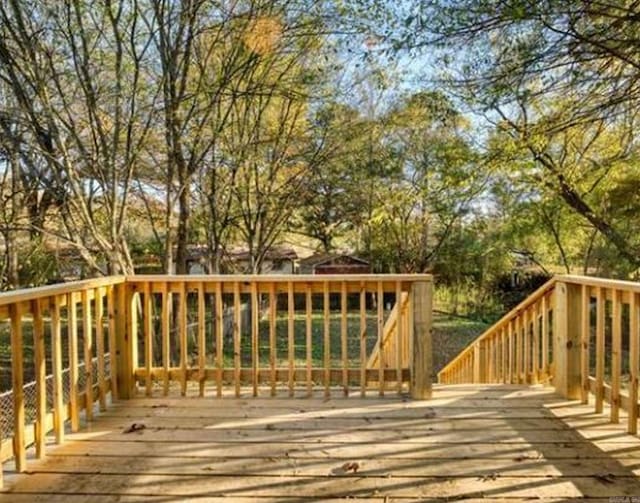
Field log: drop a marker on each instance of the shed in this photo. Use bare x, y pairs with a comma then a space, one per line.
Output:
334, 264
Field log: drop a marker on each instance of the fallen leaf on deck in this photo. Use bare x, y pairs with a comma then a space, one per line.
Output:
606, 478
135, 427
430, 413
350, 466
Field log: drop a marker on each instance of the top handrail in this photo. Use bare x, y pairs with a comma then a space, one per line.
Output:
33, 293
38, 292
270, 278
619, 284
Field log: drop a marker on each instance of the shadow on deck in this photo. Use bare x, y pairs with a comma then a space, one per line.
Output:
469, 441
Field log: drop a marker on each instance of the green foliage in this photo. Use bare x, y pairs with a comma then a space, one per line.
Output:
434, 189
466, 298
36, 266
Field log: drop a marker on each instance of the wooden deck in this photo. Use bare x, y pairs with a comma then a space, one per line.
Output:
480, 441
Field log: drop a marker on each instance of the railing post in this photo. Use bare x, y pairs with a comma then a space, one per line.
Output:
566, 339
123, 355
421, 357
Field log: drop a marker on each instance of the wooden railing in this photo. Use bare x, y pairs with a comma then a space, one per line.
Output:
514, 350
581, 334
106, 339
53, 320
311, 334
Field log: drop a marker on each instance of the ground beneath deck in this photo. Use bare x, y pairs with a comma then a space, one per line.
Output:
468, 442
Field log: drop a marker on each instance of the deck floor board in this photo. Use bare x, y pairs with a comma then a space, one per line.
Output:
500, 442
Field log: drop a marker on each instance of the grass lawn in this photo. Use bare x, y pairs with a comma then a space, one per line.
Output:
451, 334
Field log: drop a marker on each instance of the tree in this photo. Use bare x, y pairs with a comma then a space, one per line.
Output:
436, 186
555, 76
332, 199
77, 83
268, 146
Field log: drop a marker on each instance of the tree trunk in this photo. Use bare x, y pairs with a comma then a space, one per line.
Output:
182, 234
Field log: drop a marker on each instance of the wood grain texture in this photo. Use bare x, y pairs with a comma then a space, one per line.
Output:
499, 442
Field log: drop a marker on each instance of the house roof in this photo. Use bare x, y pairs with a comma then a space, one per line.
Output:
324, 258
274, 253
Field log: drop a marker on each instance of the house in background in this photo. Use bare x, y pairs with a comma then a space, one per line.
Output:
328, 263
277, 260
197, 259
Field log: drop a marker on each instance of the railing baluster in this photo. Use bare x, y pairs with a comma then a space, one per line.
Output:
634, 362
291, 336
100, 352
72, 330
363, 339
40, 377
237, 320
273, 305
255, 349
202, 343
545, 336
399, 334
167, 305
616, 348
511, 352
519, 348
56, 364
584, 350
308, 338
182, 334
219, 339
148, 338
408, 326
327, 340
503, 362
536, 343
600, 348
526, 317
88, 355
490, 360
17, 378
499, 340
497, 355
381, 342
113, 358
343, 338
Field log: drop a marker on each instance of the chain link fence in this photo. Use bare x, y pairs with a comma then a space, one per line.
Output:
6, 398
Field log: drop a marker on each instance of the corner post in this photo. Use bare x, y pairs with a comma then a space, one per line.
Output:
125, 339
421, 356
566, 340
